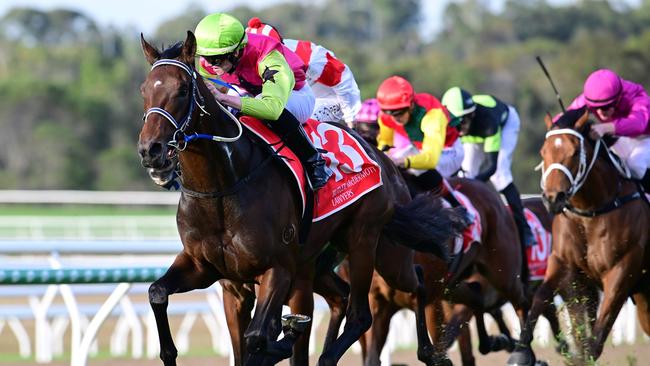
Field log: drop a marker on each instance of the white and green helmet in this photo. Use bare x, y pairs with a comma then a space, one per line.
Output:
458, 102
219, 34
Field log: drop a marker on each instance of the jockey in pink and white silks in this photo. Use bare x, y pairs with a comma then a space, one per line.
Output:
623, 109
337, 94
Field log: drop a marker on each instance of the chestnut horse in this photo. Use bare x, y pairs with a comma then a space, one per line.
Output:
498, 258
237, 226
600, 239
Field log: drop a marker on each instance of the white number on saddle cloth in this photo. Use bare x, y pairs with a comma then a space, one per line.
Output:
324, 137
537, 254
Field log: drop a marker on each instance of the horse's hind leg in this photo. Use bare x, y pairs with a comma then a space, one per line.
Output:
335, 291
465, 346
182, 276
382, 312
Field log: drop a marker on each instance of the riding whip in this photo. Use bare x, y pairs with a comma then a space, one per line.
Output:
548, 76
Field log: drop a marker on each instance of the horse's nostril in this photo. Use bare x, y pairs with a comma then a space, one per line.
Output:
560, 197
155, 150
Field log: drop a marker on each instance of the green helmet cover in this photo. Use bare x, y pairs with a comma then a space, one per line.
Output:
219, 34
458, 102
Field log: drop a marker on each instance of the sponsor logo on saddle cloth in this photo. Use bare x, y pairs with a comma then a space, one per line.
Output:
537, 254
473, 232
355, 173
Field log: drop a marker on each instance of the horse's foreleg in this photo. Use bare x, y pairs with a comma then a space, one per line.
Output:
265, 326
523, 354
550, 313
617, 286
301, 302
182, 276
238, 302
382, 312
465, 347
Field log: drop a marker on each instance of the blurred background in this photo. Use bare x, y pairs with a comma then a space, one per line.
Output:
70, 113
70, 73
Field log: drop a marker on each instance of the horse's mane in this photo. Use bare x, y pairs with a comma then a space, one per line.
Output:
569, 118
172, 51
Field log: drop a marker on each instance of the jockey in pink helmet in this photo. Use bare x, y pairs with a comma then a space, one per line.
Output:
337, 95
365, 122
623, 109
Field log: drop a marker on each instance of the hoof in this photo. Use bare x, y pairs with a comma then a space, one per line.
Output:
496, 344
522, 357
295, 322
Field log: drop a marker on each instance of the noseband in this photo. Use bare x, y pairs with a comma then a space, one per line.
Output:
180, 139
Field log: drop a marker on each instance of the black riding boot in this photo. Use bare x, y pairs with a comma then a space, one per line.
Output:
514, 200
289, 128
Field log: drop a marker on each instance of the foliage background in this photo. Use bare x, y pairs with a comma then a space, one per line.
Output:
70, 107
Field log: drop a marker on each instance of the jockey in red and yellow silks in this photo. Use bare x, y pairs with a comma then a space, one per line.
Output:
274, 77
416, 133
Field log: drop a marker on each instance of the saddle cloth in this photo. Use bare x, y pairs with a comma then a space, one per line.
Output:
473, 232
537, 254
355, 173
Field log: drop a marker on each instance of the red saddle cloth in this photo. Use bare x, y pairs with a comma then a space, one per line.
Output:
537, 254
355, 173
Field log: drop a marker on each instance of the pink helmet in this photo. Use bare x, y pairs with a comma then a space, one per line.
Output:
369, 112
602, 87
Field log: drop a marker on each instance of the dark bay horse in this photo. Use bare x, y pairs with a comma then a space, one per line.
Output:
493, 302
239, 214
601, 234
498, 258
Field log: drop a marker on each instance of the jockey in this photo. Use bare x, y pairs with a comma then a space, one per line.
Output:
489, 130
417, 134
270, 72
337, 95
365, 122
623, 109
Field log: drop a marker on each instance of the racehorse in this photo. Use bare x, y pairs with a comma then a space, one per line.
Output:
493, 302
237, 226
498, 258
600, 239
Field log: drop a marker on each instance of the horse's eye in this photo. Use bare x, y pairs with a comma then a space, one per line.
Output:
183, 91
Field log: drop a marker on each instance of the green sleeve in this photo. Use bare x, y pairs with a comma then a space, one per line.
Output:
277, 83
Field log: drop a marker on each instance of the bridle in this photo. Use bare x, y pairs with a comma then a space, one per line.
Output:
583, 171
180, 139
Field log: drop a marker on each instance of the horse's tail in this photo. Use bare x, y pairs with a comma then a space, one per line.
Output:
424, 225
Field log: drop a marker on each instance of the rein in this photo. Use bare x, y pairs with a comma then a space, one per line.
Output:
584, 169
180, 139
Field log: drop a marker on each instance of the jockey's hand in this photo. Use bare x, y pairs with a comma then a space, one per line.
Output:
218, 95
599, 130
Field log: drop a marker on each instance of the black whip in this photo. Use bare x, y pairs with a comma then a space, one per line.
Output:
548, 76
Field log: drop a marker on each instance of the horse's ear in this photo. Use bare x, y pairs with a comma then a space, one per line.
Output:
150, 53
580, 123
548, 120
189, 49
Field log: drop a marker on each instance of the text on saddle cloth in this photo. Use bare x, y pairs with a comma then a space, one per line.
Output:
355, 173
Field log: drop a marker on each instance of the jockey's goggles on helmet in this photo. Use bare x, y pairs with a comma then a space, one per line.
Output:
395, 112
605, 107
217, 60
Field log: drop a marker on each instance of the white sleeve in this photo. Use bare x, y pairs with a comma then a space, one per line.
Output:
348, 95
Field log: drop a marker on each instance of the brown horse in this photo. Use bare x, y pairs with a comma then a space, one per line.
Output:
236, 226
498, 258
600, 239
493, 302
